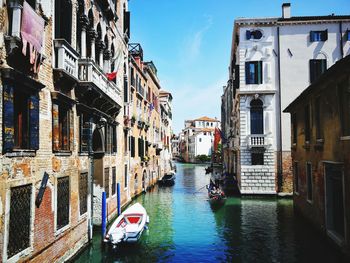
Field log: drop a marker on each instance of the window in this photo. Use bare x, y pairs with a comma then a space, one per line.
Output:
20, 217
347, 35
317, 67
318, 120
106, 173
253, 34
296, 177
316, 36
83, 192
125, 176
111, 138
253, 72
141, 147
20, 119
335, 199
344, 105
200, 139
114, 180
309, 181
63, 19
257, 158
295, 128
256, 117
62, 202
62, 120
125, 142
132, 145
307, 123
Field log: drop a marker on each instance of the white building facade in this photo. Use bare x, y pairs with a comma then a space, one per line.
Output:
272, 61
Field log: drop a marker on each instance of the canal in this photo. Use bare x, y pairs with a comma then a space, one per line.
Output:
184, 228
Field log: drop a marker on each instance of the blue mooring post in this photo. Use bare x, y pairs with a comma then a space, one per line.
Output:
118, 199
104, 216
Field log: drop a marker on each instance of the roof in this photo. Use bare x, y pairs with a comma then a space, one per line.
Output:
342, 65
205, 118
313, 18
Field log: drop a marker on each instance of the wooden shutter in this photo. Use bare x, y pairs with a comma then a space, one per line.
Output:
71, 130
127, 23
259, 72
9, 131
312, 36
55, 128
34, 121
139, 146
132, 146
85, 133
325, 35
114, 138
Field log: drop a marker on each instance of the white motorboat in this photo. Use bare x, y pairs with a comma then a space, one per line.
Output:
129, 225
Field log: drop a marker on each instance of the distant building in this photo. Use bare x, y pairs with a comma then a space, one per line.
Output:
321, 152
198, 137
272, 61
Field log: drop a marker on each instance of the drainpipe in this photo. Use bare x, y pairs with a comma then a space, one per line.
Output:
341, 39
279, 123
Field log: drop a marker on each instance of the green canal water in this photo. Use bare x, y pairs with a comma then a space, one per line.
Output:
185, 228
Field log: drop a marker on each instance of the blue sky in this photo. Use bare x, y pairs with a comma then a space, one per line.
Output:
189, 41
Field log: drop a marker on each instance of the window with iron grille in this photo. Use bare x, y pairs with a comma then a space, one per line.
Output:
62, 202
114, 180
83, 192
19, 226
107, 181
257, 158
62, 127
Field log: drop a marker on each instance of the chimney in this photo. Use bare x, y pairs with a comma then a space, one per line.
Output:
286, 10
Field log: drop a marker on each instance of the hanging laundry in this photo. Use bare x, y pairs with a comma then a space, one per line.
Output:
111, 76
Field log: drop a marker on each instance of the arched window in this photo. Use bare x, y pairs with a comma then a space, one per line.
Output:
112, 58
99, 38
63, 19
88, 39
256, 117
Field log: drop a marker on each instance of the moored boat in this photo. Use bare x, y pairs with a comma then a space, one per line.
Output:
168, 179
128, 227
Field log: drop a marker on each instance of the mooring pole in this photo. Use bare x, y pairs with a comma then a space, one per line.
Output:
118, 199
104, 214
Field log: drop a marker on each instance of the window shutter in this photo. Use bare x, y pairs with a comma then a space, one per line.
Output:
114, 136
132, 146
71, 130
325, 35
259, 72
34, 121
85, 132
55, 128
8, 114
248, 34
312, 39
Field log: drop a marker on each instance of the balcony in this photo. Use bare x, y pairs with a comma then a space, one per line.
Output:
257, 141
92, 75
66, 61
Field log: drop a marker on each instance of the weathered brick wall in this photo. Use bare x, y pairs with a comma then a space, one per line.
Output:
287, 175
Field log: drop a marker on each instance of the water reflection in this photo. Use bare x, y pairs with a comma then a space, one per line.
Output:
184, 228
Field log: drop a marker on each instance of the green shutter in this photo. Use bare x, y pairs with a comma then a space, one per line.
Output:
8, 115
259, 72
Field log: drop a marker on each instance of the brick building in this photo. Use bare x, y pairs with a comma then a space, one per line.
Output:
61, 124
321, 155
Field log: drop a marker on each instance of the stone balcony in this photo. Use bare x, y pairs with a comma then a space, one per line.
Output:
257, 141
66, 61
91, 75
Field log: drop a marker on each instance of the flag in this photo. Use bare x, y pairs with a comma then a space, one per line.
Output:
217, 137
111, 76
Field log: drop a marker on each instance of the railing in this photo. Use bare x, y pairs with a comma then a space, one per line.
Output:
89, 72
256, 140
66, 57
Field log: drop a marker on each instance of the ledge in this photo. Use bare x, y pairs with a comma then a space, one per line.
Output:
63, 153
21, 153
